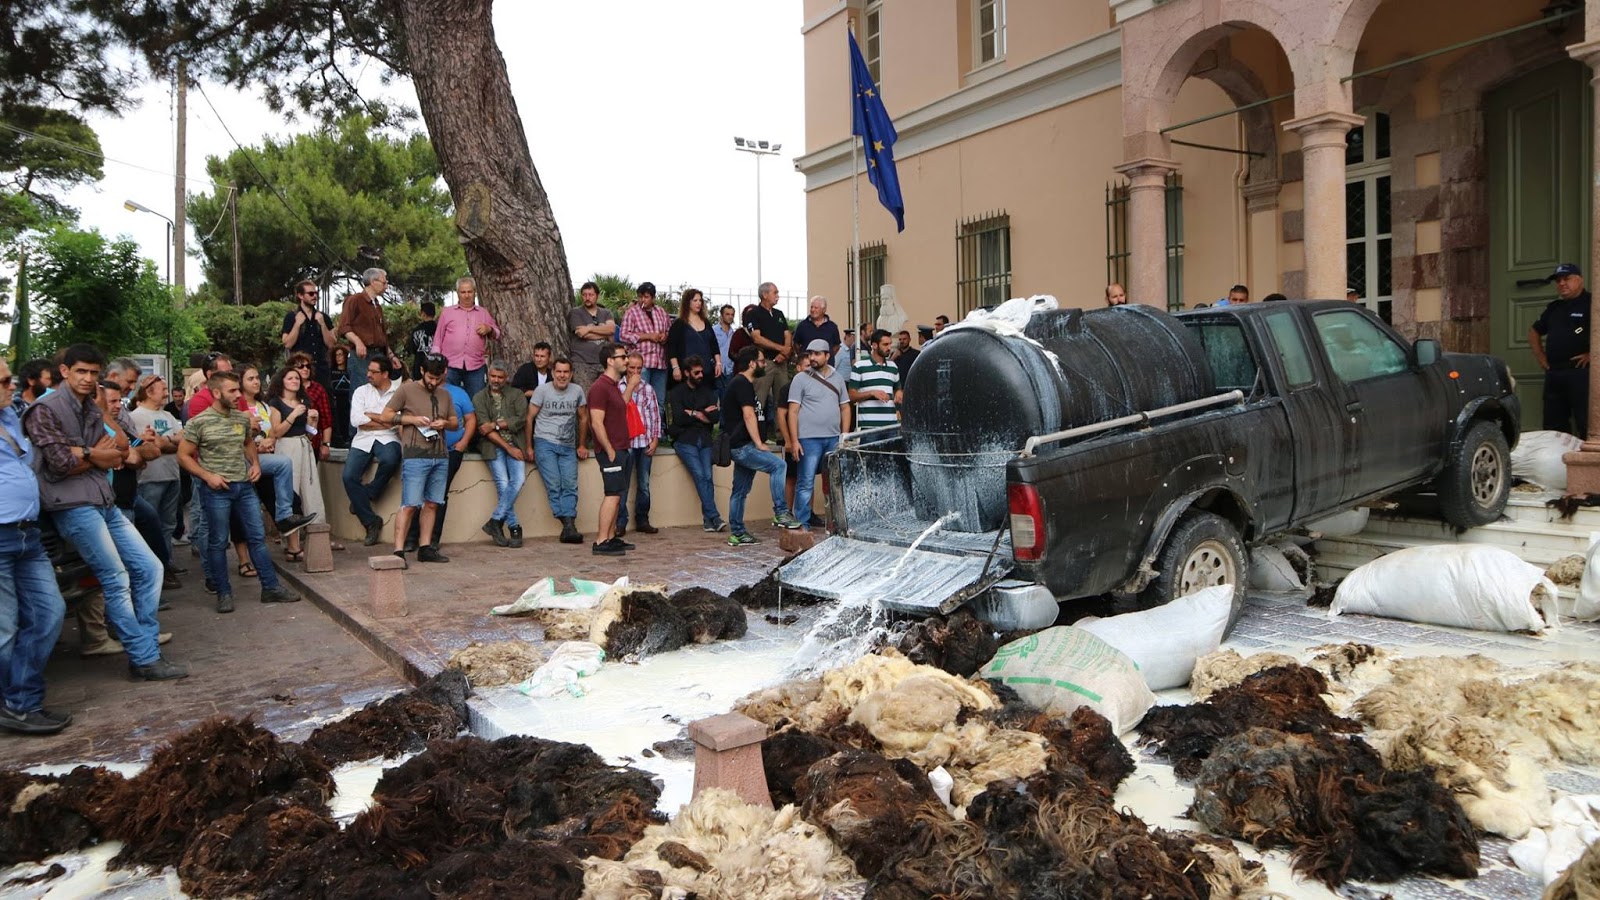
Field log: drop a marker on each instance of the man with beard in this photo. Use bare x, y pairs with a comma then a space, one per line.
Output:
308, 330
741, 415
694, 411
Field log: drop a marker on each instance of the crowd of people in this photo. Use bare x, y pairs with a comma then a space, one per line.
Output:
126, 467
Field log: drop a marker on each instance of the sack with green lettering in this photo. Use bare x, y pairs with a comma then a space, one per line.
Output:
1060, 669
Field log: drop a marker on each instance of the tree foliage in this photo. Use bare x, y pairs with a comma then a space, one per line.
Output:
52, 53
99, 291
343, 187
37, 166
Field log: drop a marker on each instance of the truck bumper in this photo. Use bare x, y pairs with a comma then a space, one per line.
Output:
1017, 605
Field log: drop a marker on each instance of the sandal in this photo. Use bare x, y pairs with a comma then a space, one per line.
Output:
247, 571
294, 555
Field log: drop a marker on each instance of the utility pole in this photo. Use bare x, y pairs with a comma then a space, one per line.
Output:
180, 191
238, 270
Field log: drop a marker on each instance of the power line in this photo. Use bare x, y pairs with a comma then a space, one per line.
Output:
94, 153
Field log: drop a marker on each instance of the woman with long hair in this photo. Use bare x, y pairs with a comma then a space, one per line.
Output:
691, 335
254, 403
339, 428
292, 423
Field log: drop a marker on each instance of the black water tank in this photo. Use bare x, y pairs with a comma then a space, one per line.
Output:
973, 397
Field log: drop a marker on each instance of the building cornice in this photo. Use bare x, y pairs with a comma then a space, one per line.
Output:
822, 18
1081, 70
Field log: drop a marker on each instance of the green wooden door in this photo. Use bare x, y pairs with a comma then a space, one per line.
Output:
1538, 154
1538, 157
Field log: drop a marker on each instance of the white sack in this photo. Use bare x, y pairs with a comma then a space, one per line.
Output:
1537, 458
542, 594
1575, 824
1060, 669
1475, 586
1270, 570
1345, 524
1588, 605
571, 661
1165, 642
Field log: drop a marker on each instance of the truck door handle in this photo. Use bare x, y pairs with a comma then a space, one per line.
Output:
1353, 406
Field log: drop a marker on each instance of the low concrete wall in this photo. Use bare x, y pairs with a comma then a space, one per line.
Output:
673, 501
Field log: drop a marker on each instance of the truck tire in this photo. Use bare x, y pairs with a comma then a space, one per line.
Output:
1204, 549
1477, 478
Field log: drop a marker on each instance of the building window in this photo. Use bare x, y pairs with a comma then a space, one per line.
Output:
983, 262
1369, 244
988, 31
1117, 246
869, 287
872, 47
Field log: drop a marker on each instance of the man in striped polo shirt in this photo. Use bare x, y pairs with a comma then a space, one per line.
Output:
875, 385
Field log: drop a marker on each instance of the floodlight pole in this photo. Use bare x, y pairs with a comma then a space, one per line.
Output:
757, 148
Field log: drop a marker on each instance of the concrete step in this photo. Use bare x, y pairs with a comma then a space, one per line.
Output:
1510, 533
1531, 508
1367, 546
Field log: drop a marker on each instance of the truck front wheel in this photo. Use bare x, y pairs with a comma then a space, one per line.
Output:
1203, 550
1476, 478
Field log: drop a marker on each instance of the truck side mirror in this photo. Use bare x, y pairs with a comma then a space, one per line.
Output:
1425, 352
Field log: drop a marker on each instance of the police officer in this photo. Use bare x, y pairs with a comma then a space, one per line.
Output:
1560, 342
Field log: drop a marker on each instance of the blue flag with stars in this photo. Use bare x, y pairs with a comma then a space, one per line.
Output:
871, 121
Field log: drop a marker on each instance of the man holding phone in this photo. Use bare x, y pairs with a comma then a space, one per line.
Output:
423, 411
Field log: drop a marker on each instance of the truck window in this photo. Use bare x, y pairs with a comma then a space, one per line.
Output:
1232, 366
1357, 349
1291, 349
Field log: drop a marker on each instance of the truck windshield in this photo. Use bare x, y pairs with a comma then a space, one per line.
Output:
1228, 354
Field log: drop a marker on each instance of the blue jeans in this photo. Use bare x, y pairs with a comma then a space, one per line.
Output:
812, 451
424, 481
361, 495
164, 496
31, 610
657, 379
219, 506
414, 531
148, 523
509, 474
281, 470
698, 461
128, 571
558, 468
640, 466
747, 461
469, 380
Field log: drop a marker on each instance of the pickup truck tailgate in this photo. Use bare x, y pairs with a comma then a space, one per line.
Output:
912, 581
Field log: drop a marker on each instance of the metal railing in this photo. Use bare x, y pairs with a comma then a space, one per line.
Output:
1143, 418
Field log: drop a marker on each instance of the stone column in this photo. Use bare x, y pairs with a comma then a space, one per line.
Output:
1147, 229
1583, 467
1322, 142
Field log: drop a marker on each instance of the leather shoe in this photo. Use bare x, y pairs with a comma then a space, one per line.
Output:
643, 526
514, 536
224, 603
374, 534
162, 669
495, 529
431, 554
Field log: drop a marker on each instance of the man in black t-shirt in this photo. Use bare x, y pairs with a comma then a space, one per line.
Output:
530, 375
308, 330
419, 343
770, 331
741, 414
1560, 344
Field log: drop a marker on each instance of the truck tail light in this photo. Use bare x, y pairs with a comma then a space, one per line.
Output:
1027, 522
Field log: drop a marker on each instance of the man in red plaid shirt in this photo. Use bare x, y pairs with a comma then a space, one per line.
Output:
644, 331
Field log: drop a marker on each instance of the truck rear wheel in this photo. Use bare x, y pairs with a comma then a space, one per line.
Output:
1477, 478
1203, 550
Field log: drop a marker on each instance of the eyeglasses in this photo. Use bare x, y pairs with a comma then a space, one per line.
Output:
6, 382
620, 356
310, 293
302, 365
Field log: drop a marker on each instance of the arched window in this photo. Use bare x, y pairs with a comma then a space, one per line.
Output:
1369, 246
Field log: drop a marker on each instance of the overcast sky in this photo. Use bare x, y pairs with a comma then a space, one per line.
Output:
630, 108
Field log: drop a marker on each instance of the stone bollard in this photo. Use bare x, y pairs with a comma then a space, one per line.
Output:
386, 586
727, 754
318, 543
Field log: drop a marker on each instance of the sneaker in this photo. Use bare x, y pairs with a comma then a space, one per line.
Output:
643, 526
431, 553
279, 595
65, 718
292, 524
715, 525
177, 570
37, 722
402, 555
374, 534
180, 541
622, 544
162, 669
170, 582
211, 586
784, 520
817, 521
107, 647
609, 548
740, 539
224, 603
496, 531
163, 637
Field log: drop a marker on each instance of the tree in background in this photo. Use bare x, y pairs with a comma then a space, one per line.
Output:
344, 186
38, 162
99, 291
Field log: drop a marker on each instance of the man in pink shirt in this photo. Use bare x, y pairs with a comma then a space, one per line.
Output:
644, 331
463, 337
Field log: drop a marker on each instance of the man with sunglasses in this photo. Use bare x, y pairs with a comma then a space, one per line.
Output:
423, 411
308, 330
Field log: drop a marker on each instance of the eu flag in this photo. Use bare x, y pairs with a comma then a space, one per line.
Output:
871, 122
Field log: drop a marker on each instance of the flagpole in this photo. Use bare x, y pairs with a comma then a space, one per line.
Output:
855, 241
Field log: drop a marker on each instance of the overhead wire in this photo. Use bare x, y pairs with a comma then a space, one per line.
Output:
94, 153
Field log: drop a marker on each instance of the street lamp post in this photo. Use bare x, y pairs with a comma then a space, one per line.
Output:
135, 206
759, 149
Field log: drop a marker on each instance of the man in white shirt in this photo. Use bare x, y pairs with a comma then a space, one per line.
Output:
374, 439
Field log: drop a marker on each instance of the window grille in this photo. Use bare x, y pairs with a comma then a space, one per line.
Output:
983, 262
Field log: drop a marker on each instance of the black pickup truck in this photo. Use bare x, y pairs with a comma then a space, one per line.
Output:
1129, 452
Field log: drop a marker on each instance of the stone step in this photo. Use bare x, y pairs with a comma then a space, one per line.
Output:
1531, 508
1366, 547
1510, 533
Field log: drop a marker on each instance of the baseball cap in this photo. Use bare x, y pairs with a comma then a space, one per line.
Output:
818, 346
925, 329
1565, 269
849, 331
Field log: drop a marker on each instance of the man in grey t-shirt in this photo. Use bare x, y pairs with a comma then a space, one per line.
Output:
560, 414
591, 325
819, 405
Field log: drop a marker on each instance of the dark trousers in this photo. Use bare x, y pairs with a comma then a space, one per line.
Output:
362, 495
1566, 401
453, 466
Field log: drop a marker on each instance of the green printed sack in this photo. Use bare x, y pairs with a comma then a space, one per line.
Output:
1060, 669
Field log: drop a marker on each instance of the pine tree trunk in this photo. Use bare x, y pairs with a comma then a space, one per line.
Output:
508, 230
